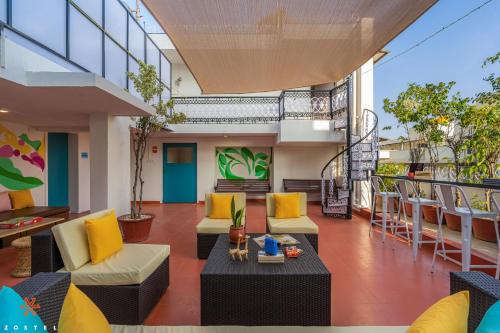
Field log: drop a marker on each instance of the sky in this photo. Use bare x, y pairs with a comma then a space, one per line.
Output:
456, 54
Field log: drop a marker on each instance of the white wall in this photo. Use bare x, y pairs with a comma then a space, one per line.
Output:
9, 137
288, 162
84, 172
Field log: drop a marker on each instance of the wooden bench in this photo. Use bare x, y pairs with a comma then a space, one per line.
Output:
243, 185
302, 185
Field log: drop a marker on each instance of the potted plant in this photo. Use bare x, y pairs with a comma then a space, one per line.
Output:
483, 229
453, 222
136, 225
237, 230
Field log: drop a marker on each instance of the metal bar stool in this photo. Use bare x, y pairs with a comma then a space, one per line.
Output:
495, 205
413, 197
387, 202
446, 196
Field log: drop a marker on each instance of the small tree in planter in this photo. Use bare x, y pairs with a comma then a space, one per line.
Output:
237, 229
137, 224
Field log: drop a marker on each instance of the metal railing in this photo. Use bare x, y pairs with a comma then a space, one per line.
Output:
290, 104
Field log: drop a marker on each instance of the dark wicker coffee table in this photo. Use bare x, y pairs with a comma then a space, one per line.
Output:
296, 293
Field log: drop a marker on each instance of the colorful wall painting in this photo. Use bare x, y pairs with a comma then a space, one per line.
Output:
16, 150
243, 162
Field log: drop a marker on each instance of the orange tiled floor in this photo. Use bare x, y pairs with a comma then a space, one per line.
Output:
372, 284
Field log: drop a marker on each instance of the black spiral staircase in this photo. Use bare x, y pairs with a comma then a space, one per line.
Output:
354, 163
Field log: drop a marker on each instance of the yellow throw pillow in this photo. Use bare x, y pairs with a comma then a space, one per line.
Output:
21, 199
221, 206
287, 205
104, 237
80, 314
449, 314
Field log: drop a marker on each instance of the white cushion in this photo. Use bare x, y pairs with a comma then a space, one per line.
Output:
256, 329
132, 265
271, 207
215, 226
299, 225
71, 239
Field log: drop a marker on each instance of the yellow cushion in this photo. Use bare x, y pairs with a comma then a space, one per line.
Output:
287, 205
21, 199
221, 206
104, 237
448, 315
80, 314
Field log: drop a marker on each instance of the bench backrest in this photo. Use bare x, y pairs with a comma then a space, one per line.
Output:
243, 185
271, 207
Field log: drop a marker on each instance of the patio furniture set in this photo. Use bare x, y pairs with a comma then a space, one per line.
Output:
405, 193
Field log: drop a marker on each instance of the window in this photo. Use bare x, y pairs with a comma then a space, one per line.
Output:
165, 71
116, 21
133, 67
136, 40
3, 10
180, 155
43, 21
116, 63
153, 55
92, 8
85, 42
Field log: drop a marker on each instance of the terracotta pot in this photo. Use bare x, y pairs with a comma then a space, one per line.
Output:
235, 233
408, 209
453, 222
136, 230
430, 214
378, 204
484, 229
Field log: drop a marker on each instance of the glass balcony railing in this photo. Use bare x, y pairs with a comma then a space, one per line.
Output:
99, 36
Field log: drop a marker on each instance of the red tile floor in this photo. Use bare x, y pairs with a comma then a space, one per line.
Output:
372, 284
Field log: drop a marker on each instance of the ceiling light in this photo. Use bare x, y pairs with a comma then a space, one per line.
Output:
3, 111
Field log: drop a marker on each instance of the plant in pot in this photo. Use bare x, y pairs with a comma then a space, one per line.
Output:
136, 225
237, 229
483, 229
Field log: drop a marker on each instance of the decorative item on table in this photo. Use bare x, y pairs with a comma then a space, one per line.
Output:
293, 252
271, 246
265, 258
237, 253
237, 231
18, 222
282, 240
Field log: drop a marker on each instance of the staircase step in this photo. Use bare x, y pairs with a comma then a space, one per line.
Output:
358, 175
363, 165
363, 155
364, 147
339, 123
335, 210
332, 202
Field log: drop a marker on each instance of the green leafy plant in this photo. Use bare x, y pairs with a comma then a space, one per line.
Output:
477, 203
151, 89
236, 215
256, 164
390, 169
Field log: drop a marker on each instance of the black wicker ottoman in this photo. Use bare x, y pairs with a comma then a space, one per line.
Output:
296, 293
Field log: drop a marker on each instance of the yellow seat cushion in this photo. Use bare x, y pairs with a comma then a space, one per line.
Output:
287, 205
21, 199
297, 225
80, 314
448, 315
221, 206
104, 237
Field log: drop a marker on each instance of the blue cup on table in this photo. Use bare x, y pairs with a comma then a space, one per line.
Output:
271, 246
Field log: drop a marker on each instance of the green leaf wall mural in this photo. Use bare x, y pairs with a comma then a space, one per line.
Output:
243, 162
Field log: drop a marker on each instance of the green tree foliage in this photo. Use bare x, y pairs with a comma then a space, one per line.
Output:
151, 89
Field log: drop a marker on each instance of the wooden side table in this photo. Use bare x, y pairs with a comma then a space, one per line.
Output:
23, 265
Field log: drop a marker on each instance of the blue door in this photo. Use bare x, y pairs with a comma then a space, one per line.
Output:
57, 153
179, 172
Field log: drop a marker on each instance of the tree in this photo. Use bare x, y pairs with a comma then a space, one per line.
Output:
151, 89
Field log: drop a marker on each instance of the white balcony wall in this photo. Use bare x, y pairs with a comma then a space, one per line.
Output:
308, 131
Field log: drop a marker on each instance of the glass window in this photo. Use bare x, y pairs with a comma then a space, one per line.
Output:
153, 55
42, 20
178, 155
165, 95
136, 40
92, 8
116, 63
116, 21
165, 71
85, 42
133, 67
3, 10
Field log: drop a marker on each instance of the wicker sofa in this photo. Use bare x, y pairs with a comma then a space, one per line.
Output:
135, 277
300, 225
209, 229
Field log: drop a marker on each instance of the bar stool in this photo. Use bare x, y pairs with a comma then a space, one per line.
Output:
445, 194
416, 202
495, 205
387, 200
